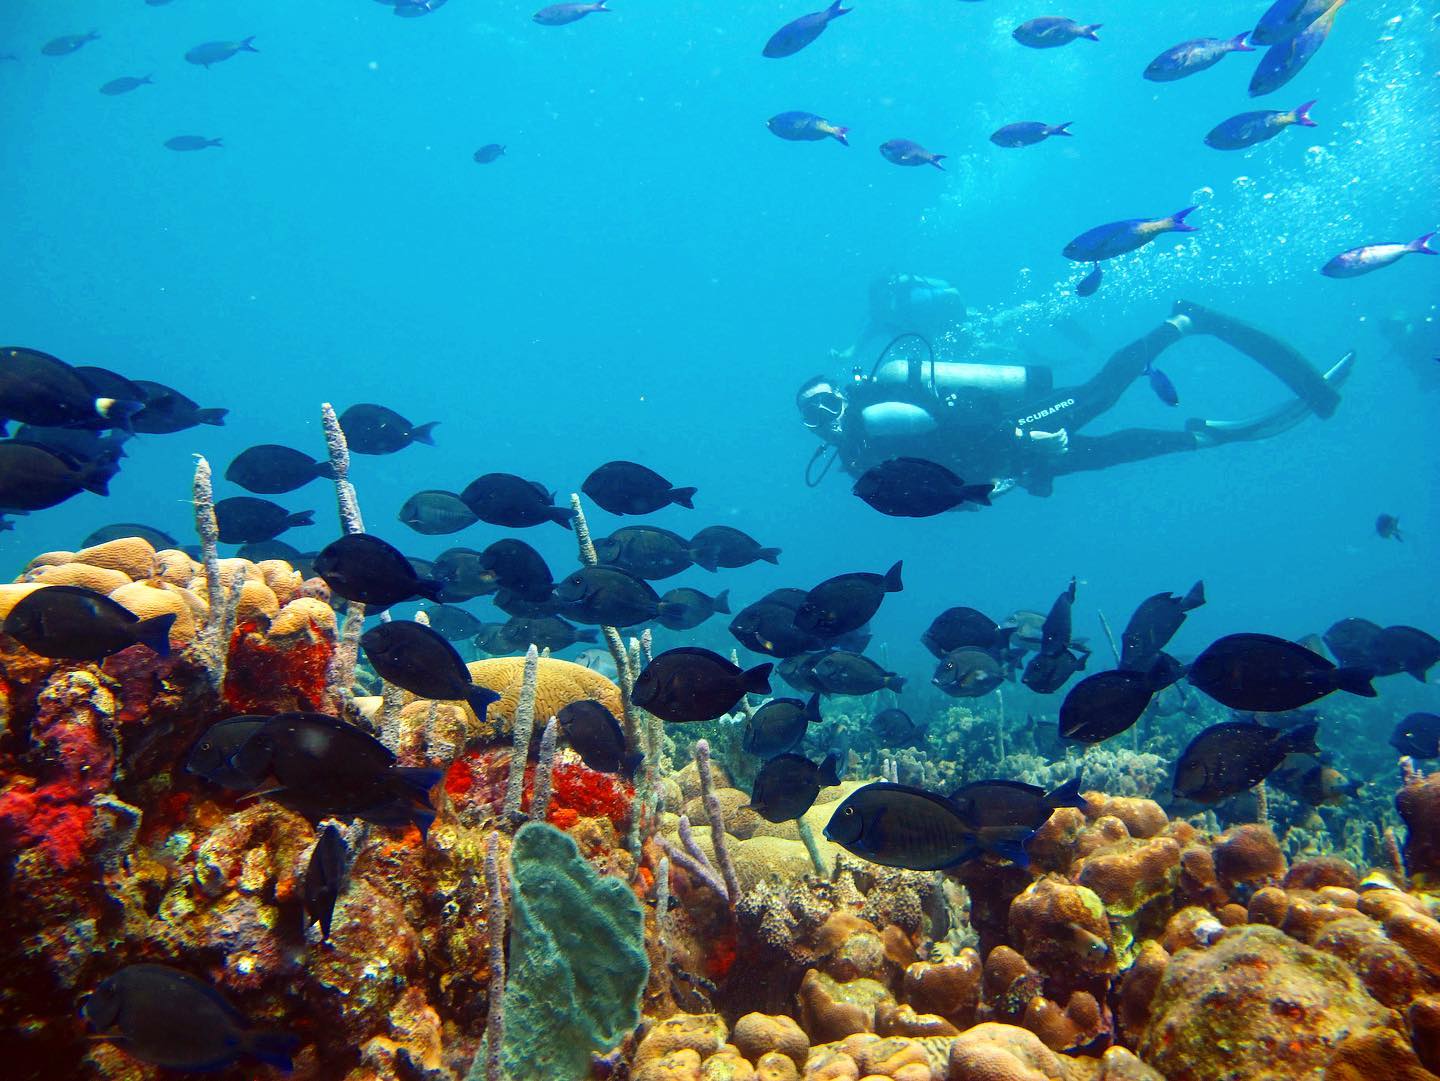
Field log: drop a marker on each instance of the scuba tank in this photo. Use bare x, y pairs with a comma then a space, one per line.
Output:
949, 377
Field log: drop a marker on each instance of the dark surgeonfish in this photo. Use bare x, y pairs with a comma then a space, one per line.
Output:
376, 429
1351, 641
214, 52
1252, 128
1055, 631
36, 388
629, 488
210, 755
166, 410
363, 568
456, 624
846, 602
894, 728
320, 766
436, 513
768, 626
896, 825
597, 737
1046, 675
1118, 237
645, 551
779, 726
418, 659
788, 784
694, 684
169, 1018
158, 538
1195, 55
270, 469
684, 609
1264, 673
797, 126
1368, 257
324, 879
916, 488
545, 632
968, 673
1107, 703
1283, 62
1235, 756
517, 605
799, 672
725, 546
1161, 384
504, 499
1418, 735
1407, 649
606, 597
1091, 282
562, 14
1005, 814
463, 575
77, 624
35, 477
125, 84
519, 568
1154, 623
961, 628
1053, 31
80, 445
1321, 785
1028, 133
488, 153
69, 43
798, 33
910, 153
843, 672
187, 143
244, 519
1286, 18
1387, 526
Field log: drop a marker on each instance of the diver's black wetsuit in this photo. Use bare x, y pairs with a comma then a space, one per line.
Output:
979, 440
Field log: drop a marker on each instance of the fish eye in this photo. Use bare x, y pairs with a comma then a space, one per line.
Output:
849, 812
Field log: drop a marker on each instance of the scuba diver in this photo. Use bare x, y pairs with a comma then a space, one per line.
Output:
1008, 424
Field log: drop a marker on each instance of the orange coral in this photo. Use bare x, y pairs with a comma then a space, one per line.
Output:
1249, 855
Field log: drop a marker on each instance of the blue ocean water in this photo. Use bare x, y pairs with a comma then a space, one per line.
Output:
649, 274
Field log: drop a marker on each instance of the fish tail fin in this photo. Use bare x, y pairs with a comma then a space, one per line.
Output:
1068, 795
155, 632
121, 410
769, 555
299, 518
721, 603
95, 477
215, 417
1301, 739
1240, 43
1060, 129
631, 762
1356, 681
560, 516
325, 469
683, 497
149, 79
600, 6
1422, 245
1089, 31
589, 634
1302, 114
220, 143
757, 680
835, 10
272, 1047
431, 589
840, 134
479, 699
894, 683
1014, 851
830, 770
248, 45
1176, 221
935, 160
417, 781
892, 582
976, 493
1195, 598
424, 433
705, 561
812, 709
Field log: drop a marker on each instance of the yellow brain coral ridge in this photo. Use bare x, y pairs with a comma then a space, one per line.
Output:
558, 683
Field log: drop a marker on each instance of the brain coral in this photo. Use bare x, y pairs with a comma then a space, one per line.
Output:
558, 683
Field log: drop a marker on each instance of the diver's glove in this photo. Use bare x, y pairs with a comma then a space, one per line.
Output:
1044, 442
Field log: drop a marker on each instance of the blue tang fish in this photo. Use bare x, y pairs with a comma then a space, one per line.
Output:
1283, 62
1362, 260
1052, 31
794, 36
1161, 385
561, 14
1194, 55
1286, 18
1028, 133
1118, 237
1247, 129
805, 127
908, 152
1089, 283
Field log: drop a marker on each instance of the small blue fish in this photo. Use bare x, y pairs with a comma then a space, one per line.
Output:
1283, 62
64, 46
1286, 18
1089, 283
191, 142
1362, 260
806, 127
1028, 133
1052, 31
794, 36
213, 52
125, 84
906, 152
1161, 385
1118, 237
488, 153
1248, 129
414, 9
1194, 55
561, 14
